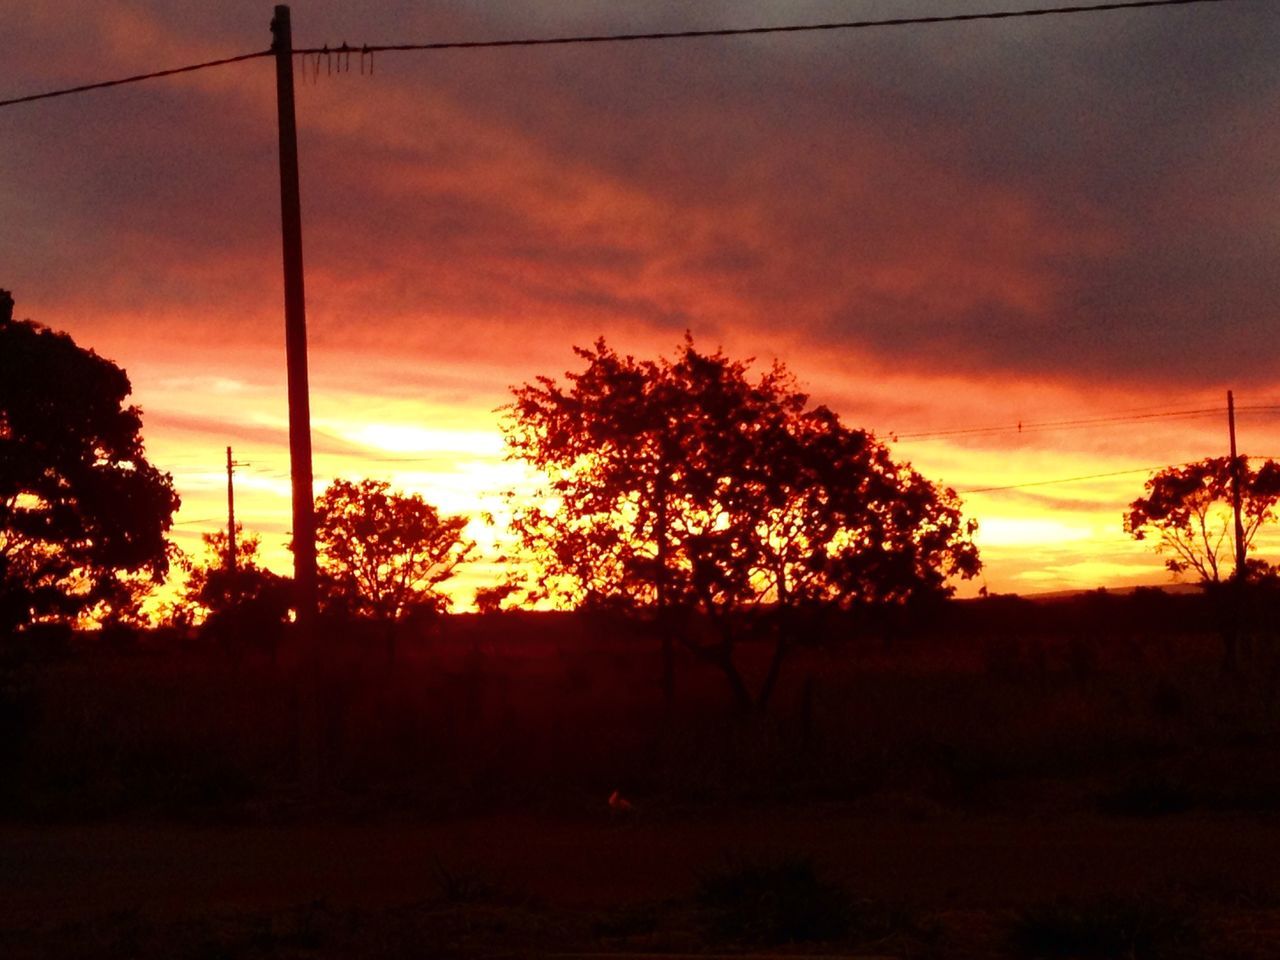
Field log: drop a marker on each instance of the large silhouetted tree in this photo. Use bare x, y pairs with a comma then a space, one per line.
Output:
83, 514
384, 553
689, 489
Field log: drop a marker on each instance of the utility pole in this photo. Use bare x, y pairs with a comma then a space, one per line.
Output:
1236, 492
295, 327
231, 518
1230, 662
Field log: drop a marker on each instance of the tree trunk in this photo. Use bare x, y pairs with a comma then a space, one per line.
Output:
742, 699
664, 618
390, 641
1225, 598
806, 710
780, 648
668, 664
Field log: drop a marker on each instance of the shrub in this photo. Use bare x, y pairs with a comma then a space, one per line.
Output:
774, 902
1146, 796
1105, 927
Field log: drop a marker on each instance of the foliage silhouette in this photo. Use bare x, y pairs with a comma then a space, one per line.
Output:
1189, 508
251, 600
83, 514
384, 554
687, 489
491, 598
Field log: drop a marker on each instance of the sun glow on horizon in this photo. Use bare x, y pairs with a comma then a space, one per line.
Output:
407, 438
1034, 536
1005, 531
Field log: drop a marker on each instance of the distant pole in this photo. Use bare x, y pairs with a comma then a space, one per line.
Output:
295, 325
1236, 492
231, 519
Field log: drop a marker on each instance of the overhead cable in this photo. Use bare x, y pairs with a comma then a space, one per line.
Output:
627, 37
756, 31
1046, 483
1045, 425
102, 84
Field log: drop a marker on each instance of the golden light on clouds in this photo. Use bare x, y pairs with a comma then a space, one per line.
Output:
1004, 531
408, 438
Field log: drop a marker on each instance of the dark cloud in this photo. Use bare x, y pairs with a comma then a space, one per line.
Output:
1071, 198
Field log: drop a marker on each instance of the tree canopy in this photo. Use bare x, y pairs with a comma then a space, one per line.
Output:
1189, 509
685, 485
383, 553
83, 514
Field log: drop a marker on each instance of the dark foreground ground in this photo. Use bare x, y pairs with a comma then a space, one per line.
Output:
1081, 783
514, 885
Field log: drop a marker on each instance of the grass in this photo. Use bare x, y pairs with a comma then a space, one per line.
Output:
1106, 928
314, 930
464, 885
774, 902
1146, 796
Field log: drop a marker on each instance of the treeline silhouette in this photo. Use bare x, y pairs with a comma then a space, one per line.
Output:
706, 524
713, 504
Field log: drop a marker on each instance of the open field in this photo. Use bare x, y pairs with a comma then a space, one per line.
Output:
1071, 779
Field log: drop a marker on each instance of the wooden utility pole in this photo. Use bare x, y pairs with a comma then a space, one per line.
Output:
295, 329
231, 519
1237, 496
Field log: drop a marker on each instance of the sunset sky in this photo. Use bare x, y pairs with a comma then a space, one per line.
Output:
937, 228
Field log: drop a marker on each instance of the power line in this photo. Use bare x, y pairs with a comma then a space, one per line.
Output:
1045, 425
367, 49
102, 84
1095, 476
1088, 476
756, 31
1037, 426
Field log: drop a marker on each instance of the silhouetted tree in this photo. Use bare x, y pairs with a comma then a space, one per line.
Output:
490, 599
686, 488
1190, 509
248, 606
83, 514
384, 554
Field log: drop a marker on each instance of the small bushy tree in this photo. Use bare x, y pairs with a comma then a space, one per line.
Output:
491, 598
238, 604
384, 553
